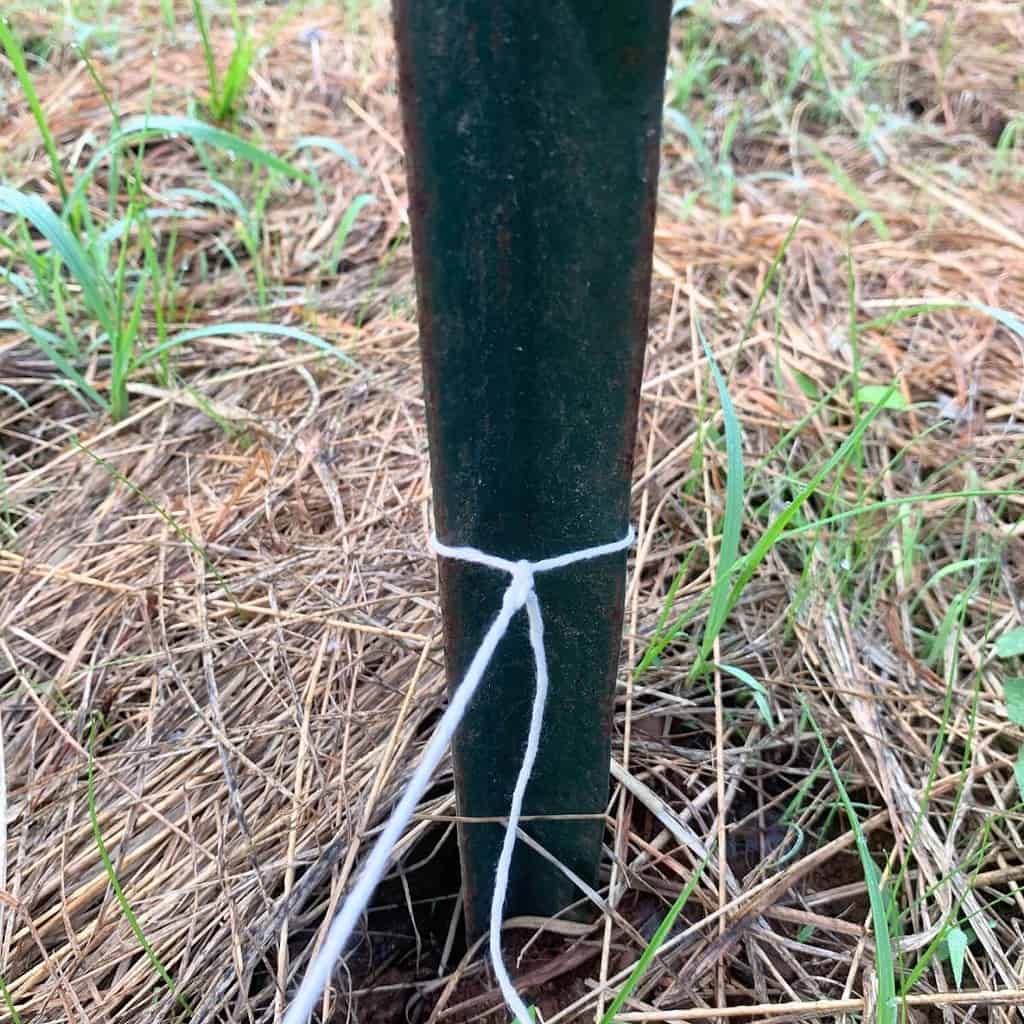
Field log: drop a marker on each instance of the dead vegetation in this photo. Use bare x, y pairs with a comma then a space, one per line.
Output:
222, 609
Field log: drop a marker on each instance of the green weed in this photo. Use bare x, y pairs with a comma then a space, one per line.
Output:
117, 271
855, 196
8, 1002
878, 897
1007, 162
16, 56
716, 170
227, 91
651, 950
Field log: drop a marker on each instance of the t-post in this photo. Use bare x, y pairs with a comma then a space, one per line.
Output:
532, 133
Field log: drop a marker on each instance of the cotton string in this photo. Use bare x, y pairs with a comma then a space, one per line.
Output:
519, 593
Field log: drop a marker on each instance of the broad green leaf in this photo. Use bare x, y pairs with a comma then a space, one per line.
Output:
806, 384
1014, 689
869, 394
1011, 644
1018, 772
956, 941
757, 688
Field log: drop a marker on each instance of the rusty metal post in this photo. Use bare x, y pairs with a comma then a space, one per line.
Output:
532, 136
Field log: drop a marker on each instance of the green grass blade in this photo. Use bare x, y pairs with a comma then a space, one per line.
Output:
56, 232
658, 645
756, 687
657, 641
775, 531
651, 950
1008, 320
121, 227
348, 218
50, 344
678, 120
821, 404
123, 352
115, 882
229, 199
16, 56
15, 394
180, 532
160, 126
887, 1011
208, 134
245, 327
236, 78
108, 101
769, 278
17, 282
9, 1002
728, 550
890, 503
1003, 159
332, 146
854, 194
207, 46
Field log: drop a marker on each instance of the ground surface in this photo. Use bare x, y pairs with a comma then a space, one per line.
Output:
219, 638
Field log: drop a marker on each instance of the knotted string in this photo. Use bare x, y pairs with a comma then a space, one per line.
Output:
519, 593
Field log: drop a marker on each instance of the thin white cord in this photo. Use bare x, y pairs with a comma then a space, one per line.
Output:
501, 873
519, 593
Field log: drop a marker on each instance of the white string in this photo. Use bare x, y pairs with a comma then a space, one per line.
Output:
519, 593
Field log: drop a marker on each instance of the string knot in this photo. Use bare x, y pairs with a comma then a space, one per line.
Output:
520, 586
519, 594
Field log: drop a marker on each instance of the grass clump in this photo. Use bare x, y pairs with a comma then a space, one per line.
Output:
227, 91
99, 281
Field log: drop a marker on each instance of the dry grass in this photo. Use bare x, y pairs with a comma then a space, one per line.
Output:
252, 620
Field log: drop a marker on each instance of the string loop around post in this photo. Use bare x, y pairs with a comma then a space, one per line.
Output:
520, 593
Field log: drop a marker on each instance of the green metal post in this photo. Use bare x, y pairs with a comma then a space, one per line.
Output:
532, 134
